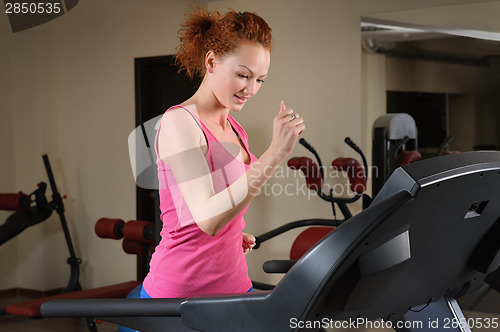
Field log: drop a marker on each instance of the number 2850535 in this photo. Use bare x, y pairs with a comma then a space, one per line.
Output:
33, 8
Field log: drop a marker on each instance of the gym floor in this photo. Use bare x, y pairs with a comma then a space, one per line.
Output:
488, 307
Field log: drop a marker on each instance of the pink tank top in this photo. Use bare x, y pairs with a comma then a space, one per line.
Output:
188, 262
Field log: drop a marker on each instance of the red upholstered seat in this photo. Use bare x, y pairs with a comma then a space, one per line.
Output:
307, 239
406, 158
31, 308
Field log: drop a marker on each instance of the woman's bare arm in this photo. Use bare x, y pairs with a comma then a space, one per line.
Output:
182, 145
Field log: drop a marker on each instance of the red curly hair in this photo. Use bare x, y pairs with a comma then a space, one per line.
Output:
204, 31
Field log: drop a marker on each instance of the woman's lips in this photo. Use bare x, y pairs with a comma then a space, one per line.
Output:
241, 100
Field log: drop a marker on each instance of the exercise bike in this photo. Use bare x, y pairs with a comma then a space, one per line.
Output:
314, 176
314, 173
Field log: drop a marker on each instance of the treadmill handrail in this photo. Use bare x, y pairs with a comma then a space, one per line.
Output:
113, 308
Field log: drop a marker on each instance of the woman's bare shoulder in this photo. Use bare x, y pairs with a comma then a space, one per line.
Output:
179, 130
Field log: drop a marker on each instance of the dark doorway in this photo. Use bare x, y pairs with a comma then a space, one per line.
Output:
158, 85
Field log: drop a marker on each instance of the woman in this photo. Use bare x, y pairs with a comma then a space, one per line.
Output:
206, 172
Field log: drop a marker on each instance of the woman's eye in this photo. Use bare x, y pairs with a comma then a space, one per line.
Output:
260, 81
242, 76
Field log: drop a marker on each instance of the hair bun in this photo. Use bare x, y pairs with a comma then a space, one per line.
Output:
192, 40
206, 30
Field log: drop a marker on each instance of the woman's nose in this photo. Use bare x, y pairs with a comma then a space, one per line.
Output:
251, 89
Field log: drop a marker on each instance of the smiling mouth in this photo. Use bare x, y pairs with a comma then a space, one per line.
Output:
241, 99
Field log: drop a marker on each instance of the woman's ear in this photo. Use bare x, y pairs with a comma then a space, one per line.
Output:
210, 61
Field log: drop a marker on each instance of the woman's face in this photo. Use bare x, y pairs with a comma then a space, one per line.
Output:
238, 76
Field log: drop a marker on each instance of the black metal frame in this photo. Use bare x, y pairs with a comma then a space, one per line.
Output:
41, 212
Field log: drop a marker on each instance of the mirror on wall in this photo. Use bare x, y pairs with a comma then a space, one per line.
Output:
448, 51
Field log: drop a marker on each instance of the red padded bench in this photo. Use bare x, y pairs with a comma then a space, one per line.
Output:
31, 308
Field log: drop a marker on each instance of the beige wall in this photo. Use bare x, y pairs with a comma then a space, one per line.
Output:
71, 95
374, 96
68, 90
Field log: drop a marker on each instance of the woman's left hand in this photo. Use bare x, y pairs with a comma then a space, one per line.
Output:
248, 242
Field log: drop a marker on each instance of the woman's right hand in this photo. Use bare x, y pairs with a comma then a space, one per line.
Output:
287, 126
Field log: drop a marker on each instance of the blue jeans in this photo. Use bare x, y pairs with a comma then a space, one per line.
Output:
144, 295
